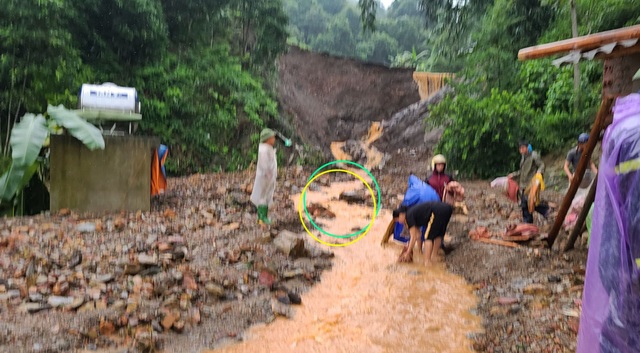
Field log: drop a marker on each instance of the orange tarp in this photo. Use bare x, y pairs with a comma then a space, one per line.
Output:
158, 179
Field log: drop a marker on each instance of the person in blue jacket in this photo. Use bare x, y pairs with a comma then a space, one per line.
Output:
417, 192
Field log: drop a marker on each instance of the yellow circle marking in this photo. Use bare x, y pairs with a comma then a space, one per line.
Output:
373, 215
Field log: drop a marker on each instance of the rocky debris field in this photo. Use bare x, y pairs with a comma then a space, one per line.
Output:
194, 271
197, 271
529, 297
323, 96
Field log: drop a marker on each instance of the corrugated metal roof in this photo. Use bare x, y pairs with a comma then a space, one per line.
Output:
576, 56
596, 43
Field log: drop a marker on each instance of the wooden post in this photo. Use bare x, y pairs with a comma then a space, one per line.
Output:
605, 108
577, 229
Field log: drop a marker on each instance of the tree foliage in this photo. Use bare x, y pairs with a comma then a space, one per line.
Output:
481, 135
364, 31
479, 40
28, 137
202, 68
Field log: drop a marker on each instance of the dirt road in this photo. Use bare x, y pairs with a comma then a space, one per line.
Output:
529, 298
369, 303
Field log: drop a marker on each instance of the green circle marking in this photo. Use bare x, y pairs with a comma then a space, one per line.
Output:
304, 199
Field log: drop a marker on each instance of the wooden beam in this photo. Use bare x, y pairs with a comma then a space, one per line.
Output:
577, 229
605, 108
509, 244
584, 43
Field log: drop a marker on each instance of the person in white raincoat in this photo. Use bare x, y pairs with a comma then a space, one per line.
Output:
266, 173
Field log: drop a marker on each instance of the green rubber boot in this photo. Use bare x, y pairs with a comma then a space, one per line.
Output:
263, 211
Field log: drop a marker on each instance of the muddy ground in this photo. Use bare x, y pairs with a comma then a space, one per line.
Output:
196, 271
529, 297
193, 272
328, 98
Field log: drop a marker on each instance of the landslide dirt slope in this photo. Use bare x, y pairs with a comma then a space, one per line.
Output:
335, 99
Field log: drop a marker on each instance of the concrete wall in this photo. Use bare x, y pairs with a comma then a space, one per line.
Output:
114, 179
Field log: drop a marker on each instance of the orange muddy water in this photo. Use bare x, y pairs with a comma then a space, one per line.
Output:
369, 303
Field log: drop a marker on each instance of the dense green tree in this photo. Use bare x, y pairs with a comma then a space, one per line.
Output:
321, 30
332, 7
482, 45
378, 48
263, 30
199, 67
314, 22
337, 40
407, 31
480, 134
353, 18
405, 8
37, 62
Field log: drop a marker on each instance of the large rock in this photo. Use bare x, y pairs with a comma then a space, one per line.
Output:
291, 244
358, 197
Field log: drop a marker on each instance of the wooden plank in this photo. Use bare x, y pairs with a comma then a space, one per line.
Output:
388, 232
498, 242
584, 43
577, 229
605, 108
517, 238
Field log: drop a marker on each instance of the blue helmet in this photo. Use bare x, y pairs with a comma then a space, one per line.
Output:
583, 138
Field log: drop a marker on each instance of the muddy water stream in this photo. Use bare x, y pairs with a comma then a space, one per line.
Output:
369, 303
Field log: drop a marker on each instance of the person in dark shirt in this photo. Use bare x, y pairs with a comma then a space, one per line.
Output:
574, 155
435, 216
439, 179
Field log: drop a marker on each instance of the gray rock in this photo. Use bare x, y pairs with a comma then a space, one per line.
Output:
10, 295
34, 297
147, 259
62, 345
56, 301
291, 244
104, 278
151, 239
177, 275
215, 289
304, 264
32, 308
294, 273
280, 309
86, 227
42, 279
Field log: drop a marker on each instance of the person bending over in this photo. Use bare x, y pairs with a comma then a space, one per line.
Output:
435, 216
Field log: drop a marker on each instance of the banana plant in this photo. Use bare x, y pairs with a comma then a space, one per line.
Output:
27, 139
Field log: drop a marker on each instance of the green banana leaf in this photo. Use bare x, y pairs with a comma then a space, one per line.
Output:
27, 138
80, 129
9, 183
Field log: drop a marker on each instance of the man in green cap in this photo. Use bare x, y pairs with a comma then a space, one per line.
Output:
266, 173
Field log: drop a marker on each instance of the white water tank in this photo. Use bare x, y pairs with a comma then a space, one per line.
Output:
109, 96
